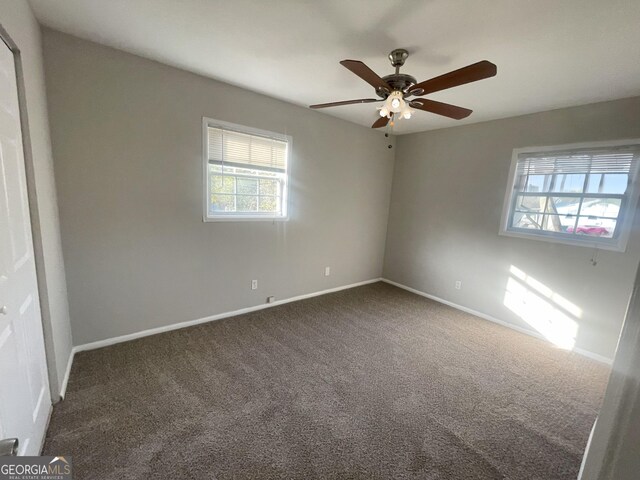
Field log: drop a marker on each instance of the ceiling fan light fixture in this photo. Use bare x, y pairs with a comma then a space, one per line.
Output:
395, 103
392, 89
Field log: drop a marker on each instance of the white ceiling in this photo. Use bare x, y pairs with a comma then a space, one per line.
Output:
549, 53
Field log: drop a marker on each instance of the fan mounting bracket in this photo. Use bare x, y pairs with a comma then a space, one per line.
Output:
398, 57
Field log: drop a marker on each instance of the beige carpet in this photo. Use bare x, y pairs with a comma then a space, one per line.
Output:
372, 382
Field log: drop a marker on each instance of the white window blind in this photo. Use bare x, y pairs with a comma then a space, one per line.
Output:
584, 195
619, 160
238, 149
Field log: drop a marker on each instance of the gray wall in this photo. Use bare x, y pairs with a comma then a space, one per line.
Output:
448, 189
127, 143
16, 18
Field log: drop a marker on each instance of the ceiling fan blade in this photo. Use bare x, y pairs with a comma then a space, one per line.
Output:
468, 74
365, 73
440, 108
346, 102
381, 122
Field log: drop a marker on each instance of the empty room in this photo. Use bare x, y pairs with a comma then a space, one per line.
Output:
319, 239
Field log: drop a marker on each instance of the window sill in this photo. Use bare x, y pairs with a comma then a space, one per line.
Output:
243, 218
614, 245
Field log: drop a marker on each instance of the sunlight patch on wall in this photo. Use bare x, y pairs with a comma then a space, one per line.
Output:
550, 314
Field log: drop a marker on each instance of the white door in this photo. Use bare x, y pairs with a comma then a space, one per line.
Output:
24, 386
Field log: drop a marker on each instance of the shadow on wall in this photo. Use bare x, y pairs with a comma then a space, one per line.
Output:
550, 314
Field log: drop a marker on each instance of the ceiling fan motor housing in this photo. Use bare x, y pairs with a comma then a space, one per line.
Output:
397, 81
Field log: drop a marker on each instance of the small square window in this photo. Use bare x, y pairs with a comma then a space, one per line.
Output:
246, 172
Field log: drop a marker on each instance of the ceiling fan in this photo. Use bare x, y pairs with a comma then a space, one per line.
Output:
395, 89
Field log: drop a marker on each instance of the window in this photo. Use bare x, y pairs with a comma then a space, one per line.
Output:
246, 172
575, 194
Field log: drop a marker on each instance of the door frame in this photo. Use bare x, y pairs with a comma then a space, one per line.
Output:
612, 444
34, 213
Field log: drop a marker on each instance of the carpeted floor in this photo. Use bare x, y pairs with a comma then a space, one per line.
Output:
372, 382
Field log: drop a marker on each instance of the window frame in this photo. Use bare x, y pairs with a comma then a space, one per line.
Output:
625, 217
249, 216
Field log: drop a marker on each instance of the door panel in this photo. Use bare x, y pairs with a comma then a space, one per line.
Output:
18, 209
24, 388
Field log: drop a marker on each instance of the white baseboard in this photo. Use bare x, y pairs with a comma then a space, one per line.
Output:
526, 331
65, 380
219, 316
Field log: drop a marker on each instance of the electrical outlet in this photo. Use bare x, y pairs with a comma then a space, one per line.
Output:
254, 284
458, 284
327, 271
